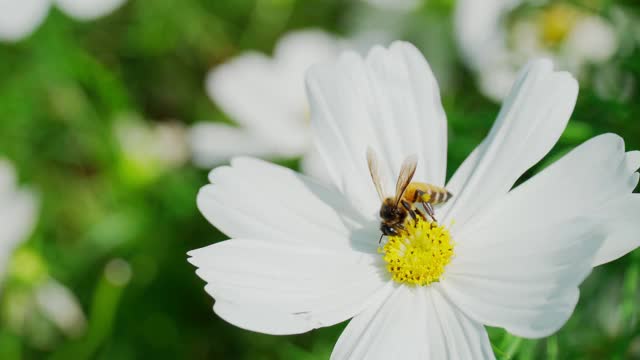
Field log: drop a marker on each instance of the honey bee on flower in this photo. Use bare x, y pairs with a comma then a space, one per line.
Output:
304, 253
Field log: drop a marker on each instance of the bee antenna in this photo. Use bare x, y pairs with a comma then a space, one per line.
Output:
380, 240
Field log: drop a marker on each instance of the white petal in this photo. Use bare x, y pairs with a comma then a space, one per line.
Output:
256, 199
524, 280
295, 53
17, 217
18, 210
313, 165
592, 39
19, 18
317, 286
214, 143
581, 183
390, 102
88, 9
62, 307
529, 124
249, 89
266, 96
482, 37
620, 217
413, 323
479, 31
633, 160
496, 83
265, 320
7, 177
465, 338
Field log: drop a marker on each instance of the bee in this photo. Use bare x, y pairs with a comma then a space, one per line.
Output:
395, 210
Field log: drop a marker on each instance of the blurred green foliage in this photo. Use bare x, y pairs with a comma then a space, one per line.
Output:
64, 88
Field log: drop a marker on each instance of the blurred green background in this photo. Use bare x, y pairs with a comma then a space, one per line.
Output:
114, 227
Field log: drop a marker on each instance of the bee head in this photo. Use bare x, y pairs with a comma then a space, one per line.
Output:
388, 230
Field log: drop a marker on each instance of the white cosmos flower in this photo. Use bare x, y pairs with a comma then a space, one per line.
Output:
19, 18
18, 213
60, 305
47, 299
305, 255
496, 40
150, 149
18, 209
265, 96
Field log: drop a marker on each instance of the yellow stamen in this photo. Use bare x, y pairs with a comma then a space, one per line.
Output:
419, 255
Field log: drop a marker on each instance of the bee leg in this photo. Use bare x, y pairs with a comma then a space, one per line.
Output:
429, 209
420, 213
413, 211
407, 206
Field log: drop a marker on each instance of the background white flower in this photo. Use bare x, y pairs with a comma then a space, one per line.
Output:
304, 255
19, 18
266, 97
497, 37
25, 308
18, 209
150, 149
62, 307
18, 214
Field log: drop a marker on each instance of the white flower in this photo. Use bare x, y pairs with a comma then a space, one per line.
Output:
266, 97
495, 47
19, 18
305, 255
60, 305
18, 209
150, 149
18, 213
48, 300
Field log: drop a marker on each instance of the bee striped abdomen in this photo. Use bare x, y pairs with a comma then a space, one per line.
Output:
422, 192
440, 196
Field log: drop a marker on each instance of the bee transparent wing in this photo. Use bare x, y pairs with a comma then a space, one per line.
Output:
407, 170
374, 169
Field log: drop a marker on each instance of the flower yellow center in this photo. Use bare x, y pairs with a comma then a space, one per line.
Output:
556, 23
419, 255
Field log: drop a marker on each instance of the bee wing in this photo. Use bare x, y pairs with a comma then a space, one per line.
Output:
374, 169
407, 170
